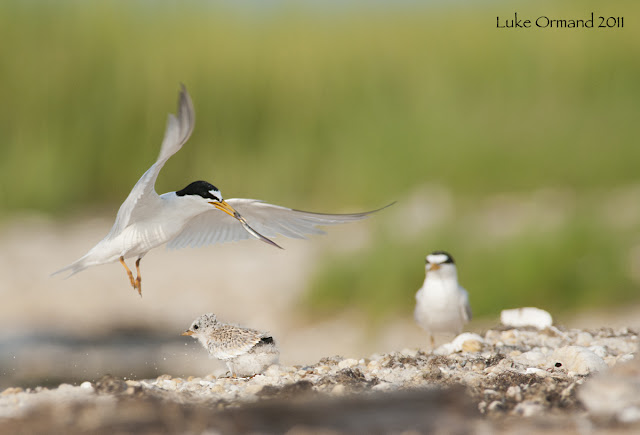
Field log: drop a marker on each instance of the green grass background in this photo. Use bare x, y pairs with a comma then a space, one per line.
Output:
345, 107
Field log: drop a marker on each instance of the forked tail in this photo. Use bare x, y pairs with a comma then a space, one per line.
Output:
75, 267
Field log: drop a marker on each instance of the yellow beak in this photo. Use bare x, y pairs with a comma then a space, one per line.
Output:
433, 267
187, 333
222, 205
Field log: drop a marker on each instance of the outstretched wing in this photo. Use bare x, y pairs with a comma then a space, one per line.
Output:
143, 197
267, 219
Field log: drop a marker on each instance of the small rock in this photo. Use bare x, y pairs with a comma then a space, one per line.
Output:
217, 389
584, 339
614, 393
537, 372
629, 415
528, 408
533, 358
478, 366
495, 406
384, 386
601, 351
321, 370
528, 316
514, 392
577, 360
489, 393
347, 363
482, 407
472, 346
409, 352
509, 337
458, 344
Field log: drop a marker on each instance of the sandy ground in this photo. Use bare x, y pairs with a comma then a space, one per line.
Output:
54, 327
510, 380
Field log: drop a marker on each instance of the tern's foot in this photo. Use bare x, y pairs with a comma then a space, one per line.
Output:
139, 277
129, 274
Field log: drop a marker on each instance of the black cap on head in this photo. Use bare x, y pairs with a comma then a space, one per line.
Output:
200, 188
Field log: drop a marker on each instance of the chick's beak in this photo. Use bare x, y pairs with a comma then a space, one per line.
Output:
189, 332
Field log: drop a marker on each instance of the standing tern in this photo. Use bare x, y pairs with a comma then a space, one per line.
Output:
194, 216
442, 305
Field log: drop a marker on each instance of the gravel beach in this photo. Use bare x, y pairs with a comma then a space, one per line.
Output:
507, 379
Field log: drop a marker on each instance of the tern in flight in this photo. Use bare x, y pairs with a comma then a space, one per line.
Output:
194, 216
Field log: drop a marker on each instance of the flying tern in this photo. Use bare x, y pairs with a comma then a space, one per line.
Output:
194, 216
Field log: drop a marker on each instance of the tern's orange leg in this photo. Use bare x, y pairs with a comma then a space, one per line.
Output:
133, 282
139, 277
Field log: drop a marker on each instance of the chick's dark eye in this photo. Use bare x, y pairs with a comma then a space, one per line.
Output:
195, 326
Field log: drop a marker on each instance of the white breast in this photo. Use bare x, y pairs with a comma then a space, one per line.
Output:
438, 307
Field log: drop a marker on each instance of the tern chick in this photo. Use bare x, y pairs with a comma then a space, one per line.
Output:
247, 352
442, 305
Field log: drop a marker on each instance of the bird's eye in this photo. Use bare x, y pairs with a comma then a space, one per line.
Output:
558, 364
195, 326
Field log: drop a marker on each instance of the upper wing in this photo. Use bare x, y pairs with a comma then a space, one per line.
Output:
464, 305
143, 195
229, 341
267, 219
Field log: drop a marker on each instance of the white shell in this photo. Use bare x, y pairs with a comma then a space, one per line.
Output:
528, 316
456, 345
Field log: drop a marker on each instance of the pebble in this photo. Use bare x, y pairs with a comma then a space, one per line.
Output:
615, 393
528, 316
465, 342
577, 360
480, 362
528, 408
515, 392
347, 363
584, 339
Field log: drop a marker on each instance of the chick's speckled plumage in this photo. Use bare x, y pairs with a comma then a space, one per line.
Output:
246, 351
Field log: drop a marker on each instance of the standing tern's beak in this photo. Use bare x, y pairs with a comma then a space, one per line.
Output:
431, 267
223, 206
187, 333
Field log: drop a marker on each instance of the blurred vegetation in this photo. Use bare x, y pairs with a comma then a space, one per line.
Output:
338, 108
